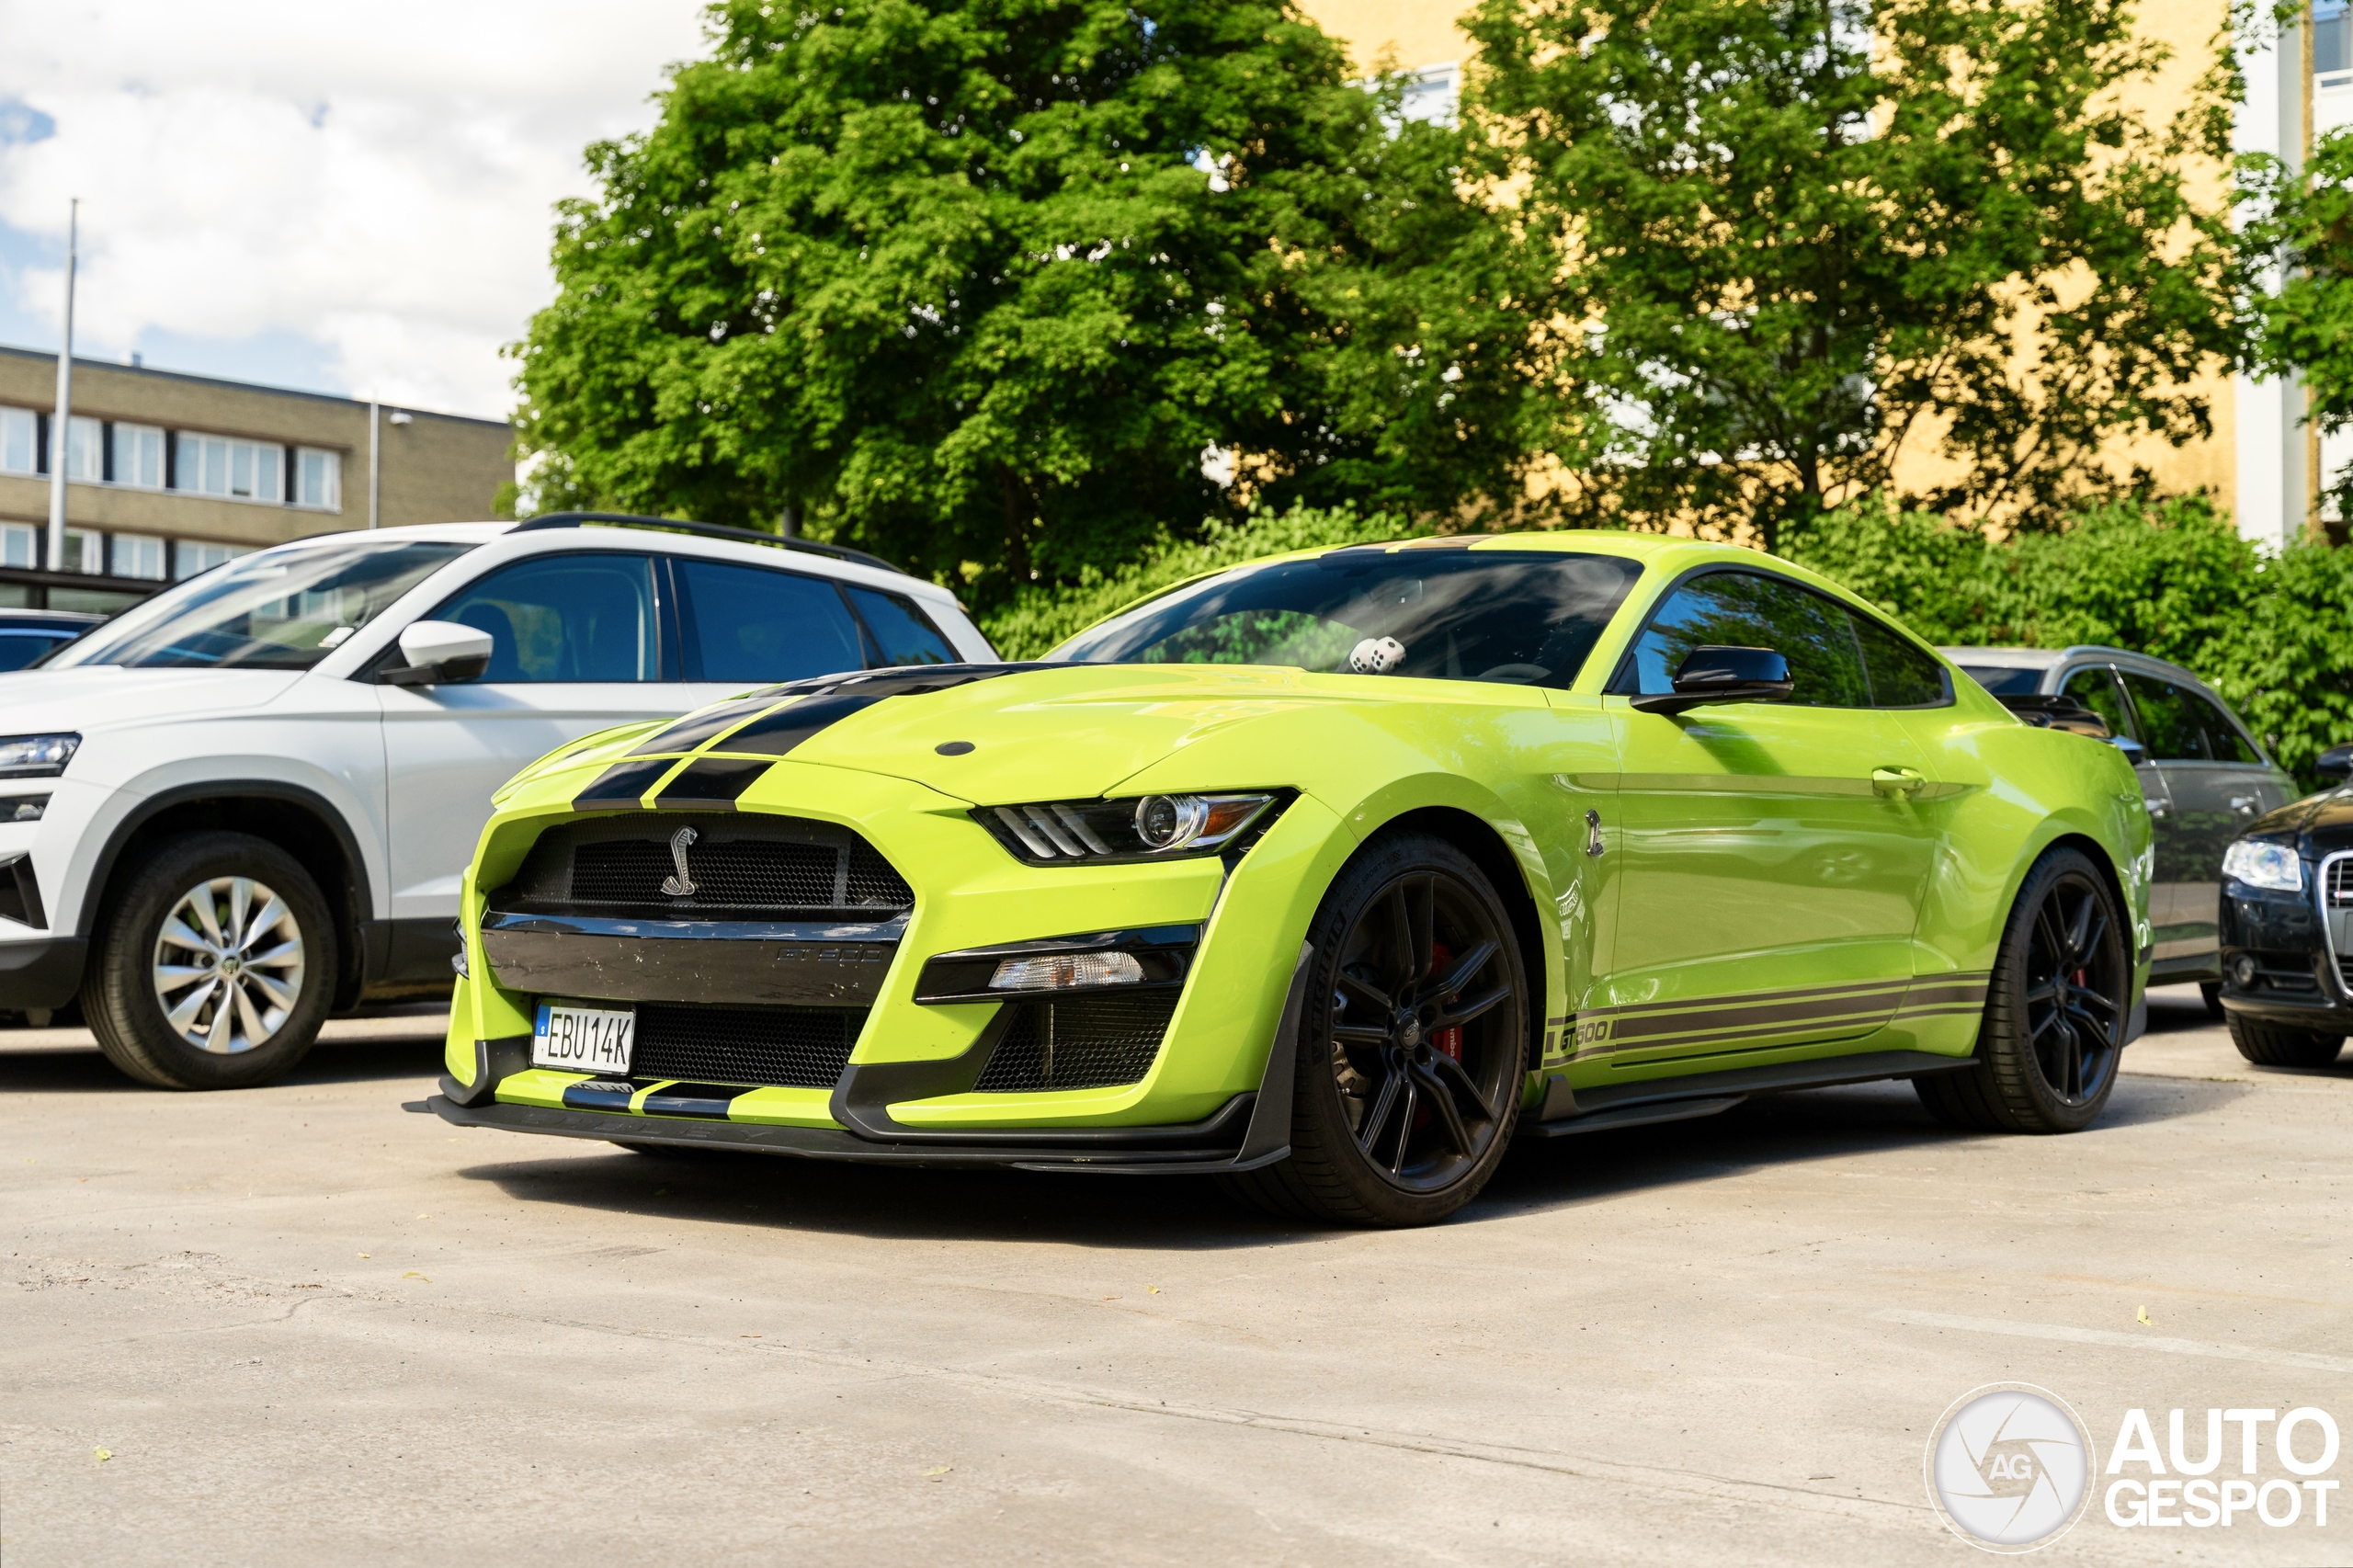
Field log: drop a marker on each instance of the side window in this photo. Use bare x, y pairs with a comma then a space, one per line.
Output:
903, 634
18, 649
1903, 673
2169, 719
2096, 689
744, 623
566, 618
2223, 741
1748, 610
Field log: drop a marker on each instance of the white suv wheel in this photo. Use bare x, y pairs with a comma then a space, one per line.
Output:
228, 964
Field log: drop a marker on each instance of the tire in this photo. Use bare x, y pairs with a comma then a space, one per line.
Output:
2055, 1010
264, 911
2280, 1045
2211, 993
1401, 1114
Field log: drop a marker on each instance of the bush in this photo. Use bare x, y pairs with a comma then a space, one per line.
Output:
1044, 616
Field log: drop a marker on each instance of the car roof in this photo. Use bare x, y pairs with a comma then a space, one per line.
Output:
57, 618
2080, 653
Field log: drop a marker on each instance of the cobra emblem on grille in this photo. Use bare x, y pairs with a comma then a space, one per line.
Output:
682, 884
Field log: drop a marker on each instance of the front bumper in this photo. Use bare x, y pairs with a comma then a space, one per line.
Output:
1249, 1130
2295, 979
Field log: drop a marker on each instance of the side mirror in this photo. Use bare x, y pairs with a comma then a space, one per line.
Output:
2336, 762
2134, 752
1711, 673
439, 652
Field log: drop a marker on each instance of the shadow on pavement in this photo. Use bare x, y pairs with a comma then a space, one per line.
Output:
330, 1062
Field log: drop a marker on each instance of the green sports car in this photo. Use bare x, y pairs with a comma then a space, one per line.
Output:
1328, 875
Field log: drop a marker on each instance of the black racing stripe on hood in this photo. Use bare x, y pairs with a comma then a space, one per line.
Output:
712, 723
788, 727
904, 680
620, 787
710, 783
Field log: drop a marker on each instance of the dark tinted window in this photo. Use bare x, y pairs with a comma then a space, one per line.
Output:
2172, 726
746, 624
1526, 616
903, 634
566, 618
18, 649
2224, 742
1748, 610
2096, 689
2005, 680
1903, 673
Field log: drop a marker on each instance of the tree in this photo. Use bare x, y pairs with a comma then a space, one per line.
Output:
1792, 236
979, 284
2303, 233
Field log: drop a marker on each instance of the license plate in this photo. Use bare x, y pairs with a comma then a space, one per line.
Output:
584, 1039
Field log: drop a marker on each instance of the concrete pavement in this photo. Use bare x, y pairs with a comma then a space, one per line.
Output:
307, 1326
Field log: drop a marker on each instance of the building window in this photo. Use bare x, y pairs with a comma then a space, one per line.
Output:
86, 451
1431, 95
190, 556
19, 545
244, 471
19, 441
138, 456
2332, 43
318, 479
139, 555
86, 551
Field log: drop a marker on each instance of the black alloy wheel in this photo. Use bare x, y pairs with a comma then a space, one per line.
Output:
1413, 1044
2055, 1012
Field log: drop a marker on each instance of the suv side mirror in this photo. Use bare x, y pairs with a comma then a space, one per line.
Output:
1712, 674
440, 650
2336, 762
2134, 752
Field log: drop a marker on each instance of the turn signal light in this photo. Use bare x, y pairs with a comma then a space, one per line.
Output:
1063, 972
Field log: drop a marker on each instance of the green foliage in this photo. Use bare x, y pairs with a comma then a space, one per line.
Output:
1043, 616
2306, 319
974, 283
2170, 579
1803, 232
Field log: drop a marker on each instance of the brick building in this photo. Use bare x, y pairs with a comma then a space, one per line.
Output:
168, 474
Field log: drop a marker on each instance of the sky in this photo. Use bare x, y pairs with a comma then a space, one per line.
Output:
342, 197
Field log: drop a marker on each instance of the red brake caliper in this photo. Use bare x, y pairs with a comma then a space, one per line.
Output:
1448, 1041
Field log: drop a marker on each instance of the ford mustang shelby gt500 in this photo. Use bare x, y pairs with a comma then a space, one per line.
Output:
1327, 874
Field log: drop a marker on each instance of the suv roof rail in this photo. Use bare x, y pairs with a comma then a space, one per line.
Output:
709, 531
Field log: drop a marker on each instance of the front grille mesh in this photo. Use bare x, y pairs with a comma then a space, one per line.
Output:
794, 1048
2340, 883
1083, 1042
777, 867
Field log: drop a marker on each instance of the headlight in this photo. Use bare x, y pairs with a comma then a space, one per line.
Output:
1155, 827
36, 756
2261, 865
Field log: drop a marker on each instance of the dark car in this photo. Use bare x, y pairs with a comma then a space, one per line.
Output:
2286, 914
2204, 775
27, 635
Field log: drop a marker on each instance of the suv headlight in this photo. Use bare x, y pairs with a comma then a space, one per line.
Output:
36, 756
2261, 865
1152, 827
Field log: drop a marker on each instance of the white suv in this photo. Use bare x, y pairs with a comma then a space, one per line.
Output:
246, 802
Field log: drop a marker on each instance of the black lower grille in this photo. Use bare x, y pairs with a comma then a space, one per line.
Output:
792, 1048
1085, 1042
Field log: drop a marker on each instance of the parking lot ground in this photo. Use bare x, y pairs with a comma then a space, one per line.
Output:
300, 1326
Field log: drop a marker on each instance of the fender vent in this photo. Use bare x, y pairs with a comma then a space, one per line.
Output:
1085, 1042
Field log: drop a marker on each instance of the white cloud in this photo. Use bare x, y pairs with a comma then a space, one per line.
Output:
377, 179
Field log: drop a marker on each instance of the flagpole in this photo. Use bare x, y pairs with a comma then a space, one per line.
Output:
62, 422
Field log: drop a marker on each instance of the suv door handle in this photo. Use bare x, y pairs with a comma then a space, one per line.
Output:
1897, 780
2245, 804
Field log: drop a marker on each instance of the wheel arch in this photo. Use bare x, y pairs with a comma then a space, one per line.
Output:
298, 820
1488, 849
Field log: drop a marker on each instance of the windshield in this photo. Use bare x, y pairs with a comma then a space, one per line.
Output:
1526, 617
278, 610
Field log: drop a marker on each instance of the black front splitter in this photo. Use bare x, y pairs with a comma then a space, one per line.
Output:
1233, 1153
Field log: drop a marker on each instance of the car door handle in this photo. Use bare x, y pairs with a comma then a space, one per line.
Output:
1897, 780
2245, 804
